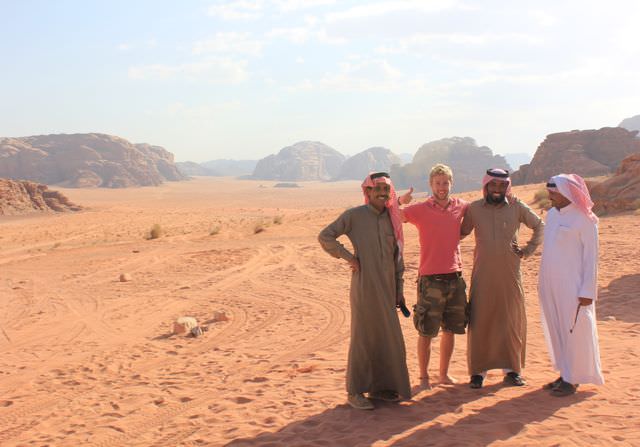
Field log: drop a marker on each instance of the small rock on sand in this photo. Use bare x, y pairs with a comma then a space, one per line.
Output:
125, 277
183, 325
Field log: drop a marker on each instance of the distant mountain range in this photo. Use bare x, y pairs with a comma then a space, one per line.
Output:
517, 159
86, 160
218, 168
632, 123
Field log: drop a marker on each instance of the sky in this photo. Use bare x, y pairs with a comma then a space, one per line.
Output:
243, 79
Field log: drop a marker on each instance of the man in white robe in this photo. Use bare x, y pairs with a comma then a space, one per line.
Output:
567, 285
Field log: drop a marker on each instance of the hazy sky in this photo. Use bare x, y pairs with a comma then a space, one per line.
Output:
242, 79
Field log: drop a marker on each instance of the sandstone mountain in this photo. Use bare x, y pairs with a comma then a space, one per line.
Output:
190, 168
468, 161
21, 197
588, 153
86, 160
306, 160
373, 159
620, 192
226, 167
632, 123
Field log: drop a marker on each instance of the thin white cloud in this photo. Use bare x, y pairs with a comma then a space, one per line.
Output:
237, 10
302, 35
230, 42
417, 42
378, 9
297, 35
296, 5
357, 75
543, 18
224, 71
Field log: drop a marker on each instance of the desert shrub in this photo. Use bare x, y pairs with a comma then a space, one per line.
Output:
259, 228
541, 199
540, 195
277, 220
155, 232
214, 230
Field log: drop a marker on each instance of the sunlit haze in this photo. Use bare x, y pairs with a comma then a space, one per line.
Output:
242, 79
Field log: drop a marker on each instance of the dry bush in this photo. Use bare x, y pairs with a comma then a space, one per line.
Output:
541, 199
155, 232
277, 220
259, 228
214, 230
540, 195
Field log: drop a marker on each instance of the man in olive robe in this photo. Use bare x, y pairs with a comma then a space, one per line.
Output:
377, 358
497, 332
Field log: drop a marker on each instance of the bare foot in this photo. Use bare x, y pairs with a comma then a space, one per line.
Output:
448, 380
423, 386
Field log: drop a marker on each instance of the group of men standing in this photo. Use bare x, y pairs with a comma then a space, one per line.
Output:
495, 311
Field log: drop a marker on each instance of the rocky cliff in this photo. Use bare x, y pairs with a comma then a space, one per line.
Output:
306, 160
86, 160
22, 197
373, 159
620, 192
587, 153
468, 161
632, 123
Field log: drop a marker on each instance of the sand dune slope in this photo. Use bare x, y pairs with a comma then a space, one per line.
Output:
90, 360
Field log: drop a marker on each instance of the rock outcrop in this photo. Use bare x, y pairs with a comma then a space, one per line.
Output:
620, 192
306, 160
588, 153
226, 167
190, 168
468, 161
632, 123
372, 159
86, 160
22, 197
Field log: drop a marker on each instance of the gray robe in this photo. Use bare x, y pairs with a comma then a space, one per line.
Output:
497, 335
377, 357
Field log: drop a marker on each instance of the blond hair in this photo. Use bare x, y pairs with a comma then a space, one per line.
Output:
441, 169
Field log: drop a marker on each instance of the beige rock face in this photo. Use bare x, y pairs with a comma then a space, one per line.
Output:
588, 153
306, 160
622, 191
22, 197
86, 160
468, 161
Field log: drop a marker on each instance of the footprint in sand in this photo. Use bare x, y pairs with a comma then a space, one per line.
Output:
242, 400
257, 379
6, 403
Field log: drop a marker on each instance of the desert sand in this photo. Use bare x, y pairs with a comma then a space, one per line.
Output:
90, 360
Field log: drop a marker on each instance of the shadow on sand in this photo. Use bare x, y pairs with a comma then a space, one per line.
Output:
620, 299
344, 426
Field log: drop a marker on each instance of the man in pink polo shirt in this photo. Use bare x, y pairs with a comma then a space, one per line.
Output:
442, 297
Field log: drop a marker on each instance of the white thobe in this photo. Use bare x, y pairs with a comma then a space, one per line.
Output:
569, 270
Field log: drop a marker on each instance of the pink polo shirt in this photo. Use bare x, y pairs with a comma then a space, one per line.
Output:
439, 231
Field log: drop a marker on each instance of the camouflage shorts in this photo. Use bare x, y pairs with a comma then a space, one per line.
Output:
440, 304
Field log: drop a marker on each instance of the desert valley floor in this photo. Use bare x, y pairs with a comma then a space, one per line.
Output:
90, 360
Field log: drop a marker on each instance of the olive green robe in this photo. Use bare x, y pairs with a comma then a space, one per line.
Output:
497, 334
377, 357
